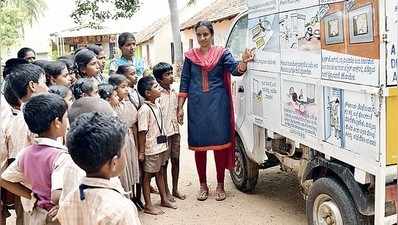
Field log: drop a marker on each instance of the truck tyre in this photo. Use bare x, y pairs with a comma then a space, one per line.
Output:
245, 173
329, 203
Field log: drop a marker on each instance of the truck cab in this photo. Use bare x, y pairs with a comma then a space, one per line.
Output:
320, 101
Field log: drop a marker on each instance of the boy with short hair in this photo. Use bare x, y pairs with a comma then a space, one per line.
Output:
26, 80
73, 174
168, 101
152, 143
95, 141
39, 166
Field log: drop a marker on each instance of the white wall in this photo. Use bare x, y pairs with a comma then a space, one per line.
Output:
221, 30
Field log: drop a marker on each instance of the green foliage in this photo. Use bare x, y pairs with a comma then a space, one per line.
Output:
14, 14
32, 9
11, 20
94, 12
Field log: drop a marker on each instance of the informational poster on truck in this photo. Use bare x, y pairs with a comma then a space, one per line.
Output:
300, 36
351, 121
392, 44
261, 8
266, 93
350, 42
300, 108
264, 38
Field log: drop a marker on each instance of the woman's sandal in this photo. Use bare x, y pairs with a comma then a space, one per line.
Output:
203, 195
220, 195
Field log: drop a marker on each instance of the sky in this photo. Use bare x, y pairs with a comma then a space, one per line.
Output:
57, 18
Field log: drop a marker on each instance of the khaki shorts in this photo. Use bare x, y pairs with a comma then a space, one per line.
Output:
174, 146
153, 163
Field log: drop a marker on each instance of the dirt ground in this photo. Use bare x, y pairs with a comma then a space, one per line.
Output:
276, 201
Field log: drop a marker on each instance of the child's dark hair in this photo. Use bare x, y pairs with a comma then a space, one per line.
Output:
116, 79
82, 58
10, 96
59, 90
94, 139
145, 84
11, 64
124, 37
82, 86
123, 69
41, 110
68, 60
160, 69
105, 90
95, 48
42, 63
22, 52
206, 24
21, 76
53, 70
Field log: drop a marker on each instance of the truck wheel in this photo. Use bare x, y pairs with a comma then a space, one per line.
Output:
245, 173
329, 203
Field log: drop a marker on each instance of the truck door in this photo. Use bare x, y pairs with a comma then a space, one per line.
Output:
236, 43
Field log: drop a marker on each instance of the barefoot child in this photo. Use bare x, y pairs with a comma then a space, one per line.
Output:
152, 143
163, 73
40, 165
95, 142
129, 115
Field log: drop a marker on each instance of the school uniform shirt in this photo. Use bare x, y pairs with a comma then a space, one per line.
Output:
16, 172
72, 176
135, 98
151, 122
168, 102
5, 116
17, 134
6, 120
97, 202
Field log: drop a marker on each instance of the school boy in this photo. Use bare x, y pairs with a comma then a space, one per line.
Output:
152, 143
95, 141
73, 174
37, 171
163, 73
26, 80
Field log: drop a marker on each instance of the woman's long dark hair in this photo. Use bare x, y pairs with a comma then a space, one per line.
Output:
82, 58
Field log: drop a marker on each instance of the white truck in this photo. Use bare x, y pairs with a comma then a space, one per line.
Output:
321, 101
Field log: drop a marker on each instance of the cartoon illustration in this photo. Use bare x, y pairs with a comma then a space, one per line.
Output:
334, 109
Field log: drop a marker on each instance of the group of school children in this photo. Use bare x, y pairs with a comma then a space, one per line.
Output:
77, 148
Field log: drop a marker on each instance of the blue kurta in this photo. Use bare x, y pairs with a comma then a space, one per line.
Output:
209, 109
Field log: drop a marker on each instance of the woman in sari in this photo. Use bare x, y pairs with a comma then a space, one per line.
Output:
206, 82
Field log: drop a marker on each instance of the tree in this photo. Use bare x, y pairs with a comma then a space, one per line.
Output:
94, 12
175, 29
14, 14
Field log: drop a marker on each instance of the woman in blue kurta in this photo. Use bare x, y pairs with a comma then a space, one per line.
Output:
206, 82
